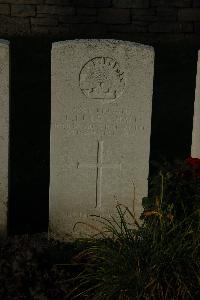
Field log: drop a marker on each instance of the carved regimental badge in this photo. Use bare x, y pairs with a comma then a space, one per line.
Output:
102, 78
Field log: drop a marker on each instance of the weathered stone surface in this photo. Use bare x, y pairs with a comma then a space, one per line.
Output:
143, 11
83, 11
29, 17
59, 2
189, 14
45, 21
4, 133
14, 26
23, 1
171, 27
52, 30
195, 149
77, 19
4, 9
92, 3
167, 13
131, 3
23, 10
100, 129
94, 29
135, 27
113, 16
55, 10
176, 3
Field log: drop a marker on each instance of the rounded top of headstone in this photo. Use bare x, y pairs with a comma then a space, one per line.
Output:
92, 42
4, 42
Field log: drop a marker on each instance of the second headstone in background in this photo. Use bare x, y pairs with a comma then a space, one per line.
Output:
100, 129
4, 134
195, 149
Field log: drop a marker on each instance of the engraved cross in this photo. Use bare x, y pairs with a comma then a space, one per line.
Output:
99, 166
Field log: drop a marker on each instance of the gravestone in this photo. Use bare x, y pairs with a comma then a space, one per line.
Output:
4, 133
195, 149
100, 130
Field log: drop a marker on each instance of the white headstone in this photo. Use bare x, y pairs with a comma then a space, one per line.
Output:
4, 133
195, 149
100, 129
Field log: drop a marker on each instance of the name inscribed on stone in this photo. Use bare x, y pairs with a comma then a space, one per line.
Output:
101, 122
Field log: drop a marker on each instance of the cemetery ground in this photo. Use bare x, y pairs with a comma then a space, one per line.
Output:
157, 259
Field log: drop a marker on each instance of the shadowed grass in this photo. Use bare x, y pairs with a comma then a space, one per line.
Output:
159, 259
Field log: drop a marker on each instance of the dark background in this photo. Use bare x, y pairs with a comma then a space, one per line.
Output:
171, 27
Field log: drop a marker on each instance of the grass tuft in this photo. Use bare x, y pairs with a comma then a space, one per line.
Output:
159, 259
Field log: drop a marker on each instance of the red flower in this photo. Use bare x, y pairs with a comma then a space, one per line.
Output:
194, 167
193, 162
